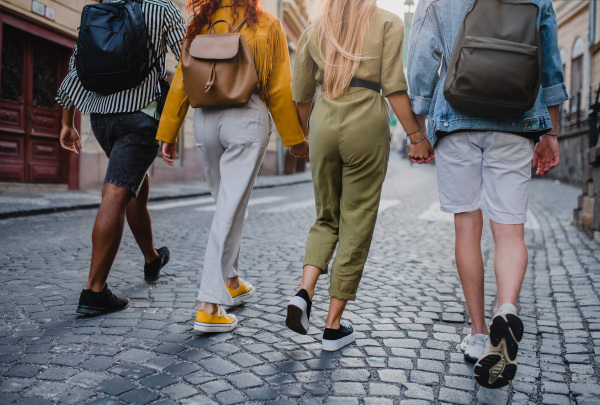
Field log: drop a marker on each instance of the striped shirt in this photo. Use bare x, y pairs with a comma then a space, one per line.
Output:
166, 27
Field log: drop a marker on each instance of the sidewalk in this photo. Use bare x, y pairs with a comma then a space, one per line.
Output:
43, 203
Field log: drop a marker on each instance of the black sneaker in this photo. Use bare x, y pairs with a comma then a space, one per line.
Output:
335, 339
152, 270
103, 302
298, 312
498, 365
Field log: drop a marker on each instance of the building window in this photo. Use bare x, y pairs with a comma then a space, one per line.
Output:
577, 74
596, 23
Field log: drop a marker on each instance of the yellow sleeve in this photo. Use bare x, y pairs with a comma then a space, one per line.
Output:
305, 71
279, 90
175, 110
392, 70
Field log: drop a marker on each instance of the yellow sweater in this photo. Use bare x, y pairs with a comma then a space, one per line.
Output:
268, 45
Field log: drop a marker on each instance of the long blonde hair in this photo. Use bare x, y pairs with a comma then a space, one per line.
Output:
342, 25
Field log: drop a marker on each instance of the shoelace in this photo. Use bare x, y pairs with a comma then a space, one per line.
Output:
221, 312
344, 324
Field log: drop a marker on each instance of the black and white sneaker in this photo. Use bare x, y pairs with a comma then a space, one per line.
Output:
498, 365
298, 312
335, 339
96, 303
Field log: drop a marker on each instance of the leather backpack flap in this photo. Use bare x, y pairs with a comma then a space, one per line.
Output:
215, 46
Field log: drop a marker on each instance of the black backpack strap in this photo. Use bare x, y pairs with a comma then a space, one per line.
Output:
132, 15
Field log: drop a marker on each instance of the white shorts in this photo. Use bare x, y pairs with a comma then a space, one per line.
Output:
485, 170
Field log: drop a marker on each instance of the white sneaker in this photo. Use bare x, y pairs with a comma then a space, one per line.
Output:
473, 346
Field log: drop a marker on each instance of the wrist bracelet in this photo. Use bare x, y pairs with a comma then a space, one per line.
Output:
416, 132
552, 135
419, 141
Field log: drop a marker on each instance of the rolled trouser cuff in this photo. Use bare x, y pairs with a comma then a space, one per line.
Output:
316, 263
340, 295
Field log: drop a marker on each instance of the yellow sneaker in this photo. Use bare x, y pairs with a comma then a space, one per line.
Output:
244, 293
219, 322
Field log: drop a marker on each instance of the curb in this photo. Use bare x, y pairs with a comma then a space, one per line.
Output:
85, 206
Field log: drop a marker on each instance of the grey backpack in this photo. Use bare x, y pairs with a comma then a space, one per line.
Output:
495, 69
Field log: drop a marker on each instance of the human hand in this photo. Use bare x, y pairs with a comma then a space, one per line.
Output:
300, 150
545, 154
69, 139
169, 154
422, 152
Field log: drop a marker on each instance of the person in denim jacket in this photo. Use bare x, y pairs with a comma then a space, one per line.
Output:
484, 166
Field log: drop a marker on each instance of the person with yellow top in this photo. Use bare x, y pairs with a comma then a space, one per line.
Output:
354, 50
232, 142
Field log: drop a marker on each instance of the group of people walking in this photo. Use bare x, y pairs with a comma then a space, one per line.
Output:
352, 50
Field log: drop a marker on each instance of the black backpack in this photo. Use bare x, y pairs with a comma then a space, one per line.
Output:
113, 47
495, 69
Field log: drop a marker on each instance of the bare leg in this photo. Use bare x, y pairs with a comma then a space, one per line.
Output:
336, 309
510, 260
140, 223
107, 234
310, 275
469, 263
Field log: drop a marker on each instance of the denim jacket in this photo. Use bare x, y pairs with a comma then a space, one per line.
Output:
434, 28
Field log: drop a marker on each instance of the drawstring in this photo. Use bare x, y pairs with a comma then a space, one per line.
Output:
211, 79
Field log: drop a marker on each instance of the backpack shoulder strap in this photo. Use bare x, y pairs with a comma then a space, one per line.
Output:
212, 26
239, 25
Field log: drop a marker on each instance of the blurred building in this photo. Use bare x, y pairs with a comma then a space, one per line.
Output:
37, 39
579, 42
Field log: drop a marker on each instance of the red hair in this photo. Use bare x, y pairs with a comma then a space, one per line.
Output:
203, 10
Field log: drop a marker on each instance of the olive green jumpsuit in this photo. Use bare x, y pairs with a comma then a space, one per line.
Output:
349, 149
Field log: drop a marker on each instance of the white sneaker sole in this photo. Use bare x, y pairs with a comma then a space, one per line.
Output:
297, 318
215, 327
243, 297
337, 344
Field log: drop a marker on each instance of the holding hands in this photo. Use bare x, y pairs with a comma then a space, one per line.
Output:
420, 150
300, 150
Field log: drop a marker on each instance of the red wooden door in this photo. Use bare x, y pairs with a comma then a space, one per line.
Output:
29, 117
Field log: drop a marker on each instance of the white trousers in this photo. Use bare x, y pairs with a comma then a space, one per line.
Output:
232, 143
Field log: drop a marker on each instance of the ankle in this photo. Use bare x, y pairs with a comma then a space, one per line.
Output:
310, 291
95, 287
233, 282
333, 324
209, 308
152, 257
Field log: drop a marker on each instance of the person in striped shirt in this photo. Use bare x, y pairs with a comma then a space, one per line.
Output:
125, 125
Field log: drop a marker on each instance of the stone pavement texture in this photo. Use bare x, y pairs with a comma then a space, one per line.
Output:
409, 315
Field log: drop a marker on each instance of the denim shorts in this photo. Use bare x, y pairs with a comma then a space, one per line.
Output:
485, 170
129, 141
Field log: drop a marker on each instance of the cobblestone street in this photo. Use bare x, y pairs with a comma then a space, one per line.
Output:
409, 316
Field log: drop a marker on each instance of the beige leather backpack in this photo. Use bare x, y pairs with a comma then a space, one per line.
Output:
218, 69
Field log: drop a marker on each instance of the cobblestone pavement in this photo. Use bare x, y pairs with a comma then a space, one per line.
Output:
409, 316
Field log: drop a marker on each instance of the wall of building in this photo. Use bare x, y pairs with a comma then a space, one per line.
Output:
92, 161
573, 25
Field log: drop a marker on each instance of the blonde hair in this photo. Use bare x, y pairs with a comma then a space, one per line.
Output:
342, 25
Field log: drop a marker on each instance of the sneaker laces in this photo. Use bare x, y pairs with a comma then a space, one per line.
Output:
344, 324
221, 312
